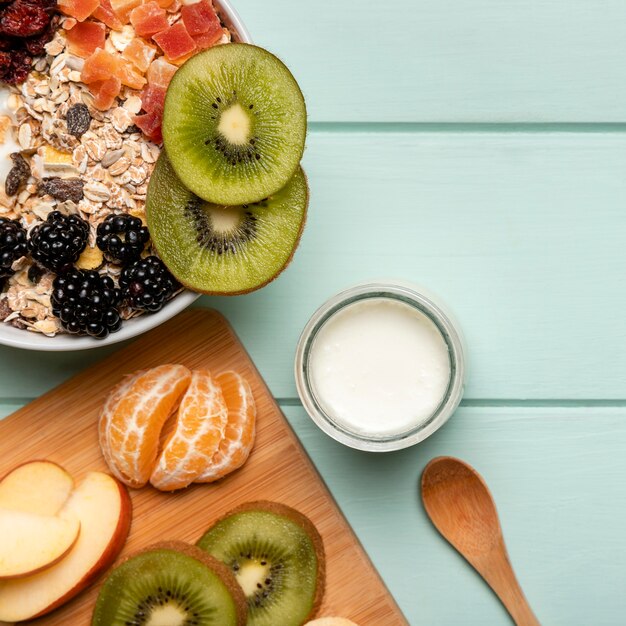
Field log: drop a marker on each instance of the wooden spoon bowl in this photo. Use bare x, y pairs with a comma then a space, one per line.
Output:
461, 507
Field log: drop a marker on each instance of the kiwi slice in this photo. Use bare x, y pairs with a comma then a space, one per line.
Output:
277, 556
219, 249
170, 584
234, 124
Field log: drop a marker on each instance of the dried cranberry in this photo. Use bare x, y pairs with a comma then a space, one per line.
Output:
5, 63
23, 19
21, 63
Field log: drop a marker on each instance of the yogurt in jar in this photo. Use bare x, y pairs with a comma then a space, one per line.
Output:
379, 367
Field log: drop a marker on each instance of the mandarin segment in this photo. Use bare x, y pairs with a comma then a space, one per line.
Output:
200, 424
133, 417
239, 435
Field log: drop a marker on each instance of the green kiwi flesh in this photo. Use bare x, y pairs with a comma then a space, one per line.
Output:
223, 250
277, 556
234, 124
170, 584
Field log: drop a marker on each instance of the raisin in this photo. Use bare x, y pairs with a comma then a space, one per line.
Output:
78, 120
17, 175
62, 188
23, 19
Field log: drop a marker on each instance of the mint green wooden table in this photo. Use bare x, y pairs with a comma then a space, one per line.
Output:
477, 147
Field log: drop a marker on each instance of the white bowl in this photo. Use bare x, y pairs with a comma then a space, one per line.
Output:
18, 338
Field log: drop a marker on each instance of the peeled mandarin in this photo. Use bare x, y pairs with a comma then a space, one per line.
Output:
199, 430
132, 419
236, 445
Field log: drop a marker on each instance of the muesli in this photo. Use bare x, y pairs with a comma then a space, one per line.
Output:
78, 142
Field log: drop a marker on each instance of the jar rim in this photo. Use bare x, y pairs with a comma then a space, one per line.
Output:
418, 299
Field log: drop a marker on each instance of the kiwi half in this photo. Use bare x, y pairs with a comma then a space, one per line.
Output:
173, 584
277, 556
234, 124
219, 249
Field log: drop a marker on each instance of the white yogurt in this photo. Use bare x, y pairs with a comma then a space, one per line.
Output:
379, 367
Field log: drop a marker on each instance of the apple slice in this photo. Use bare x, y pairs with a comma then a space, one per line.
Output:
31, 542
103, 507
36, 487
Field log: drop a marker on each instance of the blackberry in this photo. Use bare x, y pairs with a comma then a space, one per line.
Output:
12, 245
147, 284
122, 238
85, 302
58, 242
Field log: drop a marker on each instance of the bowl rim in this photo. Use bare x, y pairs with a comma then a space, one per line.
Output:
63, 342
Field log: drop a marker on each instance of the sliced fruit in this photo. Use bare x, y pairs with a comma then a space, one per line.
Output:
37, 487
32, 542
200, 18
85, 37
105, 92
107, 15
218, 249
277, 556
103, 507
148, 19
238, 440
160, 73
140, 54
79, 9
331, 621
170, 584
234, 124
200, 424
132, 419
175, 41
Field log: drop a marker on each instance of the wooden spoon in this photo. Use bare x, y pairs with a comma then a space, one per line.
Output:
461, 507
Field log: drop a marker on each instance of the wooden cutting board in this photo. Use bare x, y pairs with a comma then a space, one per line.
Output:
61, 426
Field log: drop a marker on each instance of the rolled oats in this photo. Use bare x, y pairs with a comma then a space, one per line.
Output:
120, 166
24, 136
96, 192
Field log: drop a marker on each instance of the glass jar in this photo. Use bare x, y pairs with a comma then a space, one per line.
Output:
426, 305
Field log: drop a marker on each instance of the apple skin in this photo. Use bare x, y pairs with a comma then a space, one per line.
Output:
43, 580
118, 539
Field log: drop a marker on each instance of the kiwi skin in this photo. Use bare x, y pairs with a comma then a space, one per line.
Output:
224, 572
242, 292
309, 528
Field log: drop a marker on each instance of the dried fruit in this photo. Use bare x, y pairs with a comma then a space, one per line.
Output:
23, 19
78, 120
17, 175
21, 63
37, 45
62, 188
5, 63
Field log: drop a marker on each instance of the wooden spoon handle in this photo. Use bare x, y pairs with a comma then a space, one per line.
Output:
497, 571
